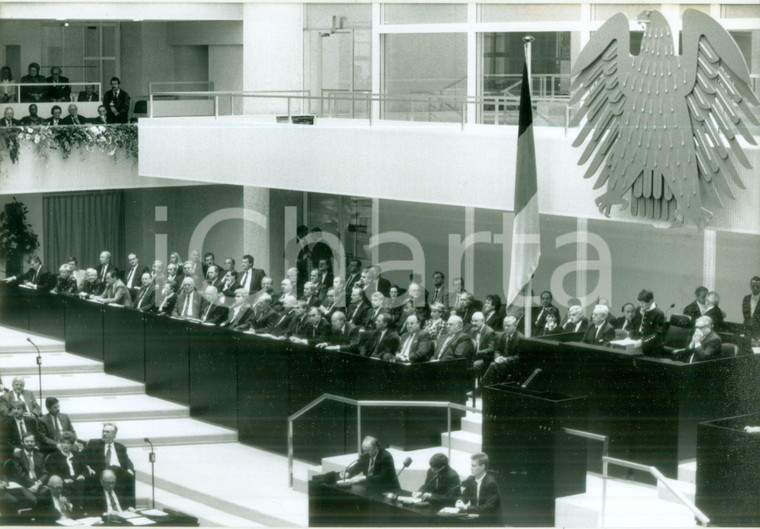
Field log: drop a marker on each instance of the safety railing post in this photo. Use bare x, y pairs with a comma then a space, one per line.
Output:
448, 428
359, 429
150, 105
216, 106
290, 453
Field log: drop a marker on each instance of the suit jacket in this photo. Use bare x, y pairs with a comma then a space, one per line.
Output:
194, 307
382, 345
716, 315
19, 469
94, 456
487, 504
92, 289
92, 98
117, 293
631, 327
145, 299
443, 485
59, 92
508, 347
652, 332
315, 334
579, 326
751, 321
281, 325
96, 503
166, 306
347, 338
216, 283
440, 296
495, 319
42, 278
14, 122
709, 349
69, 120
108, 268
460, 346
10, 438
216, 314
45, 512
383, 473
121, 104
539, 316
237, 321
357, 313
31, 402
48, 438
136, 278
97, 120
693, 311
485, 340
56, 465
350, 282
420, 346
257, 274
603, 337
229, 292
466, 314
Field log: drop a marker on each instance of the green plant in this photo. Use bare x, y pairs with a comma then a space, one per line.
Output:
16, 234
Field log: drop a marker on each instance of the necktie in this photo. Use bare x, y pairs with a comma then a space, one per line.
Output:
377, 348
208, 310
477, 342
141, 297
444, 345
57, 428
407, 346
76, 120
435, 297
34, 278
30, 458
598, 331
371, 466
114, 502
108, 455
21, 428
131, 272
186, 308
245, 280
103, 276
71, 467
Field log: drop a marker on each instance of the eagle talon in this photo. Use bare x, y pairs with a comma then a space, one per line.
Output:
607, 200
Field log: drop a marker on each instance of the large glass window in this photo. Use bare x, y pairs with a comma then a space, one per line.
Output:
424, 13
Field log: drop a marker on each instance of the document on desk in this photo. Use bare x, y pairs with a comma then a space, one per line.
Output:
68, 522
141, 520
153, 512
409, 500
91, 520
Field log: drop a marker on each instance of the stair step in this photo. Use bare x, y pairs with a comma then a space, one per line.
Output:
80, 384
120, 407
57, 362
464, 441
686, 489
473, 423
162, 432
687, 471
14, 341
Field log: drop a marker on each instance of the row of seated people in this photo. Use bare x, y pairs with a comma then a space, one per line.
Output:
48, 473
33, 119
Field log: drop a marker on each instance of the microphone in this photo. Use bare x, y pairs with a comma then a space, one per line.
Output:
349, 466
431, 478
407, 462
530, 378
39, 365
152, 459
669, 311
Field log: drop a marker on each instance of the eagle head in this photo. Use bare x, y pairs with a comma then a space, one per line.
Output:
657, 37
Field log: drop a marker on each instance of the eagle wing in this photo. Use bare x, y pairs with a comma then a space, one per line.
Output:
716, 87
601, 74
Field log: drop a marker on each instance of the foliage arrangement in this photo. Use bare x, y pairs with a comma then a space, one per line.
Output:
108, 139
16, 235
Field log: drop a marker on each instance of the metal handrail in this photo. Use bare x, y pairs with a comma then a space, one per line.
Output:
172, 83
369, 404
660, 479
47, 84
605, 440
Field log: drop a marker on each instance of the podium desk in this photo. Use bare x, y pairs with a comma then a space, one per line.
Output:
728, 471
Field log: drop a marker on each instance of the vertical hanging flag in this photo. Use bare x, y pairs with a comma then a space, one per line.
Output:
526, 241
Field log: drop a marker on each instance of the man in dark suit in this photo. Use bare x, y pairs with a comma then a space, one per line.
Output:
324, 274
106, 454
89, 94
441, 481
212, 277
108, 498
343, 336
74, 118
630, 321
263, 313
455, 343
375, 466
506, 354
33, 119
133, 275
55, 116
14, 427
372, 282
92, 286
27, 467
58, 88
53, 505
212, 310
480, 493
484, 338
576, 321
383, 343
705, 344
357, 310
37, 276
33, 93
25, 397
105, 265
102, 117
116, 102
145, 297
281, 326
8, 119
310, 295
751, 308
600, 332
439, 293
539, 315
651, 332
315, 329
698, 307
416, 346
53, 425
467, 308
250, 277
493, 312
188, 300
353, 277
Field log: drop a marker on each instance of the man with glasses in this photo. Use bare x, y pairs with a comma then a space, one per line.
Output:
455, 344
705, 343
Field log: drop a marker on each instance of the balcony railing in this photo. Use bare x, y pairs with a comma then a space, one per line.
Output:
15, 93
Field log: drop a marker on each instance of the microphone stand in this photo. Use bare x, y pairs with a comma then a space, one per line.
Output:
152, 459
39, 366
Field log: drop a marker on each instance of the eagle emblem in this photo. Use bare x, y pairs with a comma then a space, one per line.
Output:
660, 128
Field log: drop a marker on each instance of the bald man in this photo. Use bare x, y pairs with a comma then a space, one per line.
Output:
375, 466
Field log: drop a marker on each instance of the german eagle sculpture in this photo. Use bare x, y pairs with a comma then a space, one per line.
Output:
664, 128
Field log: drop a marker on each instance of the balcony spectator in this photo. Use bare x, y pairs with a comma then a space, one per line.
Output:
89, 94
8, 119
33, 94
7, 92
33, 119
58, 88
55, 119
73, 118
102, 118
116, 102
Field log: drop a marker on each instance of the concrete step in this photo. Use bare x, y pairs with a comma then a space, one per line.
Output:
15, 341
80, 384
687, 471
120, 408
463, 441
58, 362
473, 423
686, 489
162, 432
241, 481
302, 474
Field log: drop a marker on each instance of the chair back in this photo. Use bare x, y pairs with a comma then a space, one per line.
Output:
729, 350
680, 320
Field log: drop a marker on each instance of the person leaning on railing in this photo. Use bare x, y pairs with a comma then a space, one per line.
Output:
58, 90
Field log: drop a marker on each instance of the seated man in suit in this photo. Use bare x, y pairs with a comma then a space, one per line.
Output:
506, 354
27, 467
116, 291
310, 295
343, 336
416, 346
455, 344
74, 118
547, 307
105, 454
480, 493
375, 466
168, 298
53, 505
92, 287
315, 330
53, 426
25, 397
441, 482
188, 300
37, 276
281, 326
651, 332
356, 313
484, 338
33, 119
263, 313
133, 275
230, 284
8, 119
714, 312
699, 306
383, 343
70, 467
466, 309
705, 344
14, 427
89, 95
212, 278
58, 88
212, 310
107, 498
630, 321
239, 311
600, 332
145, 298
102, 117
751, 308
576, 321
328, 304
65, 283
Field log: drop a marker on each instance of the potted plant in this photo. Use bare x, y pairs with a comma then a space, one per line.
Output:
17, 238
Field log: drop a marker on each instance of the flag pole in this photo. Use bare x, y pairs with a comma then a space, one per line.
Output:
528, 293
